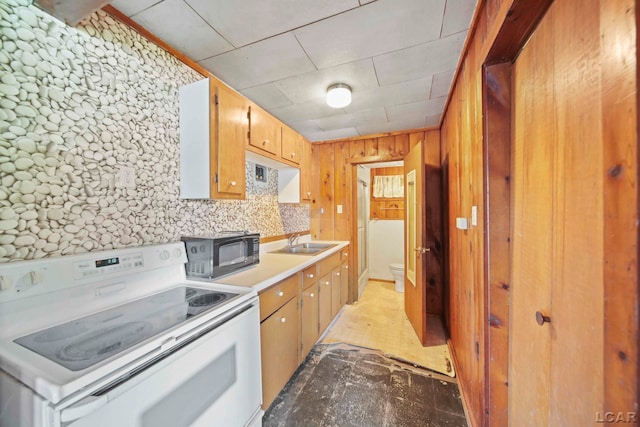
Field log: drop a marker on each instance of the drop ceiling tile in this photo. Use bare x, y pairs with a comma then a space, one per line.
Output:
411, 123
442, 84
433, 120
424, 108
373, 29
305, 126
419, 61
169, 18
331, 134
457, 16
253, 20
360, 118
310, 110
131, 7
263, 62
267, 96
398, 93
360, 75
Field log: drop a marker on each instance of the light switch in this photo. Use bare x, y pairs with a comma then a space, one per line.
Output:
462, 223
474, 215
339, 207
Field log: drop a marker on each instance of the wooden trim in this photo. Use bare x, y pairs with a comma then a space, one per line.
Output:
116, 14
283, 236
463, 389
463, 56
619, 91
375, 159
519, 23
378, 135
497, 106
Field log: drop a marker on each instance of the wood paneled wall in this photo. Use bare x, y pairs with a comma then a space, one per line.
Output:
500, 30
335, 179
385, 207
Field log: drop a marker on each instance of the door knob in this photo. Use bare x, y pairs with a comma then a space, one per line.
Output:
541, 318
422, 250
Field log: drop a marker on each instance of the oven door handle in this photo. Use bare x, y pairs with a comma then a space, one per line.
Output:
84, 407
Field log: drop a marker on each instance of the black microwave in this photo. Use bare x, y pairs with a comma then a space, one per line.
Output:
221, 254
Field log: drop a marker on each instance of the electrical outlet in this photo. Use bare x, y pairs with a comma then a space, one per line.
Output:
127, 177
474, 215
339, 207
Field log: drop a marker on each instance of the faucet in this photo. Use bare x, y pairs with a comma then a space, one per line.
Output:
293, 240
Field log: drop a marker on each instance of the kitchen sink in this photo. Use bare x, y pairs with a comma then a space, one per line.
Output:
309, 248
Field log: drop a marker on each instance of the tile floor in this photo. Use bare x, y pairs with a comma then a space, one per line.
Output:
345, 385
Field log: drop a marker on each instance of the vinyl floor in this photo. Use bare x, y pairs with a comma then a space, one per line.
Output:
345, 385
370, 370
378, 321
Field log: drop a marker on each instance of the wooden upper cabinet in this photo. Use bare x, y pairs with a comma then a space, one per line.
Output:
291, 145
306, 186
213, 134
231, 131
264, 131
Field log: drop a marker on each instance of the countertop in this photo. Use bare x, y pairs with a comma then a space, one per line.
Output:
276, 267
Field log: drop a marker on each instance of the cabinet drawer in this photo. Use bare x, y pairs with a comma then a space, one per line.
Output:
326, 265
309, 275
277, 295
344, 254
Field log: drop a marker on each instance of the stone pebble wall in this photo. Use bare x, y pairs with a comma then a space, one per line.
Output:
76, 105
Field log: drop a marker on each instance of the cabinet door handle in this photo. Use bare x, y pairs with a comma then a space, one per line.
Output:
542, 319
337, 274
280, 294
311, 295
309, 193
293, 155
233, 183
283, 319
310, 275
346, 267
265, 142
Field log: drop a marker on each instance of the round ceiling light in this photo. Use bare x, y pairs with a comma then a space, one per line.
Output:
338, 95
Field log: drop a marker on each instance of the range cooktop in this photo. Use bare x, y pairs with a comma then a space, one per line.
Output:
84, 342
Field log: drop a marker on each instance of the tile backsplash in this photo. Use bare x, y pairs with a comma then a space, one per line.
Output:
77, 104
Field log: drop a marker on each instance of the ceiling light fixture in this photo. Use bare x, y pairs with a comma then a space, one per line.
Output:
338, 95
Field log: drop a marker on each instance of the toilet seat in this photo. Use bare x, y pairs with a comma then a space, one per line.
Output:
396, 266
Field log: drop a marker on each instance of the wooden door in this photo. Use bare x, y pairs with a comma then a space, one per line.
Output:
574, 132
264, 131
279, 346
231, 136
533, 183
324, 303
309, 319
291, 145
415, 290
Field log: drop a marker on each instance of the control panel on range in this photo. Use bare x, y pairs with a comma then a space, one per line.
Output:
18, 279
102, 266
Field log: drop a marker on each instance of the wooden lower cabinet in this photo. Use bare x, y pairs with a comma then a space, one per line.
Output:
336, 291
324, 303
279, 334
344, 283
309, 319
294, 313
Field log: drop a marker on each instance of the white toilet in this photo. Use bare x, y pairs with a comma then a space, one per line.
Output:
397, 270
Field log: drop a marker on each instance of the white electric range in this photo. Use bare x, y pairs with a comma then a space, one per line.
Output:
122, 338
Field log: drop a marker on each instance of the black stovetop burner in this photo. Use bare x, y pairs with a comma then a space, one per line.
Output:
81, 343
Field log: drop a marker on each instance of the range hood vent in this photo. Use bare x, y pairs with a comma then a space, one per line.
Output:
70, 11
